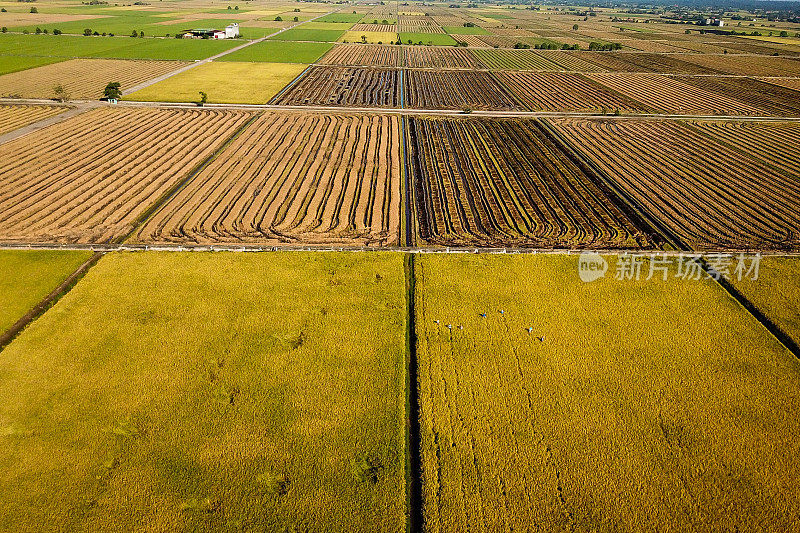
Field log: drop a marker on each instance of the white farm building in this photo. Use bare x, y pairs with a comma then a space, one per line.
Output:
231, 31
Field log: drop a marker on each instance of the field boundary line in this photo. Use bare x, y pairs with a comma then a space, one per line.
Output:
782, 337
162, 200
415, 518
290, 84
37, 310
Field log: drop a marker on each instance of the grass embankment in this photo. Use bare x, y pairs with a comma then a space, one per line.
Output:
210, 392
224, 82
29, 276
644, 406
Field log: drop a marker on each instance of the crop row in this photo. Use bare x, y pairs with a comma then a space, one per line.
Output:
502, 182
17, 116
310, 179
709, 195
88, 178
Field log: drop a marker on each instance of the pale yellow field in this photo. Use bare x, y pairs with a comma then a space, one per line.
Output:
224, 82
373, 37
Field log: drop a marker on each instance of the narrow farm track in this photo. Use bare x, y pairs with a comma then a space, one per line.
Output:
13, 117
492, 183
293, 179
713, 197
117, 162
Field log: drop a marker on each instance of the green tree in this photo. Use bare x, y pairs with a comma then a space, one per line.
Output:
574, 26
34, 10
203, 99
60, 93
113, 90
134, 34
87, 32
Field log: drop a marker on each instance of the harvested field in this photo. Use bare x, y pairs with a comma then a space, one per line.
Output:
789, 83
344, 86
643, 62
514, 60
362, 55
190, 392
13, 117
472, 40
774, 144
87, 179
293, 179
671, 96
708, 195
456, 89
571, 61
667, 412
386, 28
82, 78
498, 41
741, 65
773, 99
505, 183
564, 91
657, 47
439, 57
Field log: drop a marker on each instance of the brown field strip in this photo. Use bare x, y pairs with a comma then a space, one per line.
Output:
13, 117
564, 91
645, 62
439, 57
671, 96
789, 83
709, 195
775, 144
362, 55
515, 60
570, 61
82, 78
773, 99
293, 178
85, 180
505, 183
741, 65
456, 89
344, 86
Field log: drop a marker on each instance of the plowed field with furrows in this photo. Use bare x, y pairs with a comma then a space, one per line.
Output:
89, 177
457, 89
344, 86
708, 195
296, 179
13, 117
773, 99
564, 91
505, 183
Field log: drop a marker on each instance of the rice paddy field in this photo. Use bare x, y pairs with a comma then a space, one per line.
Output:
579, 423
393, 267
244, 405
224, 82
29, 276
